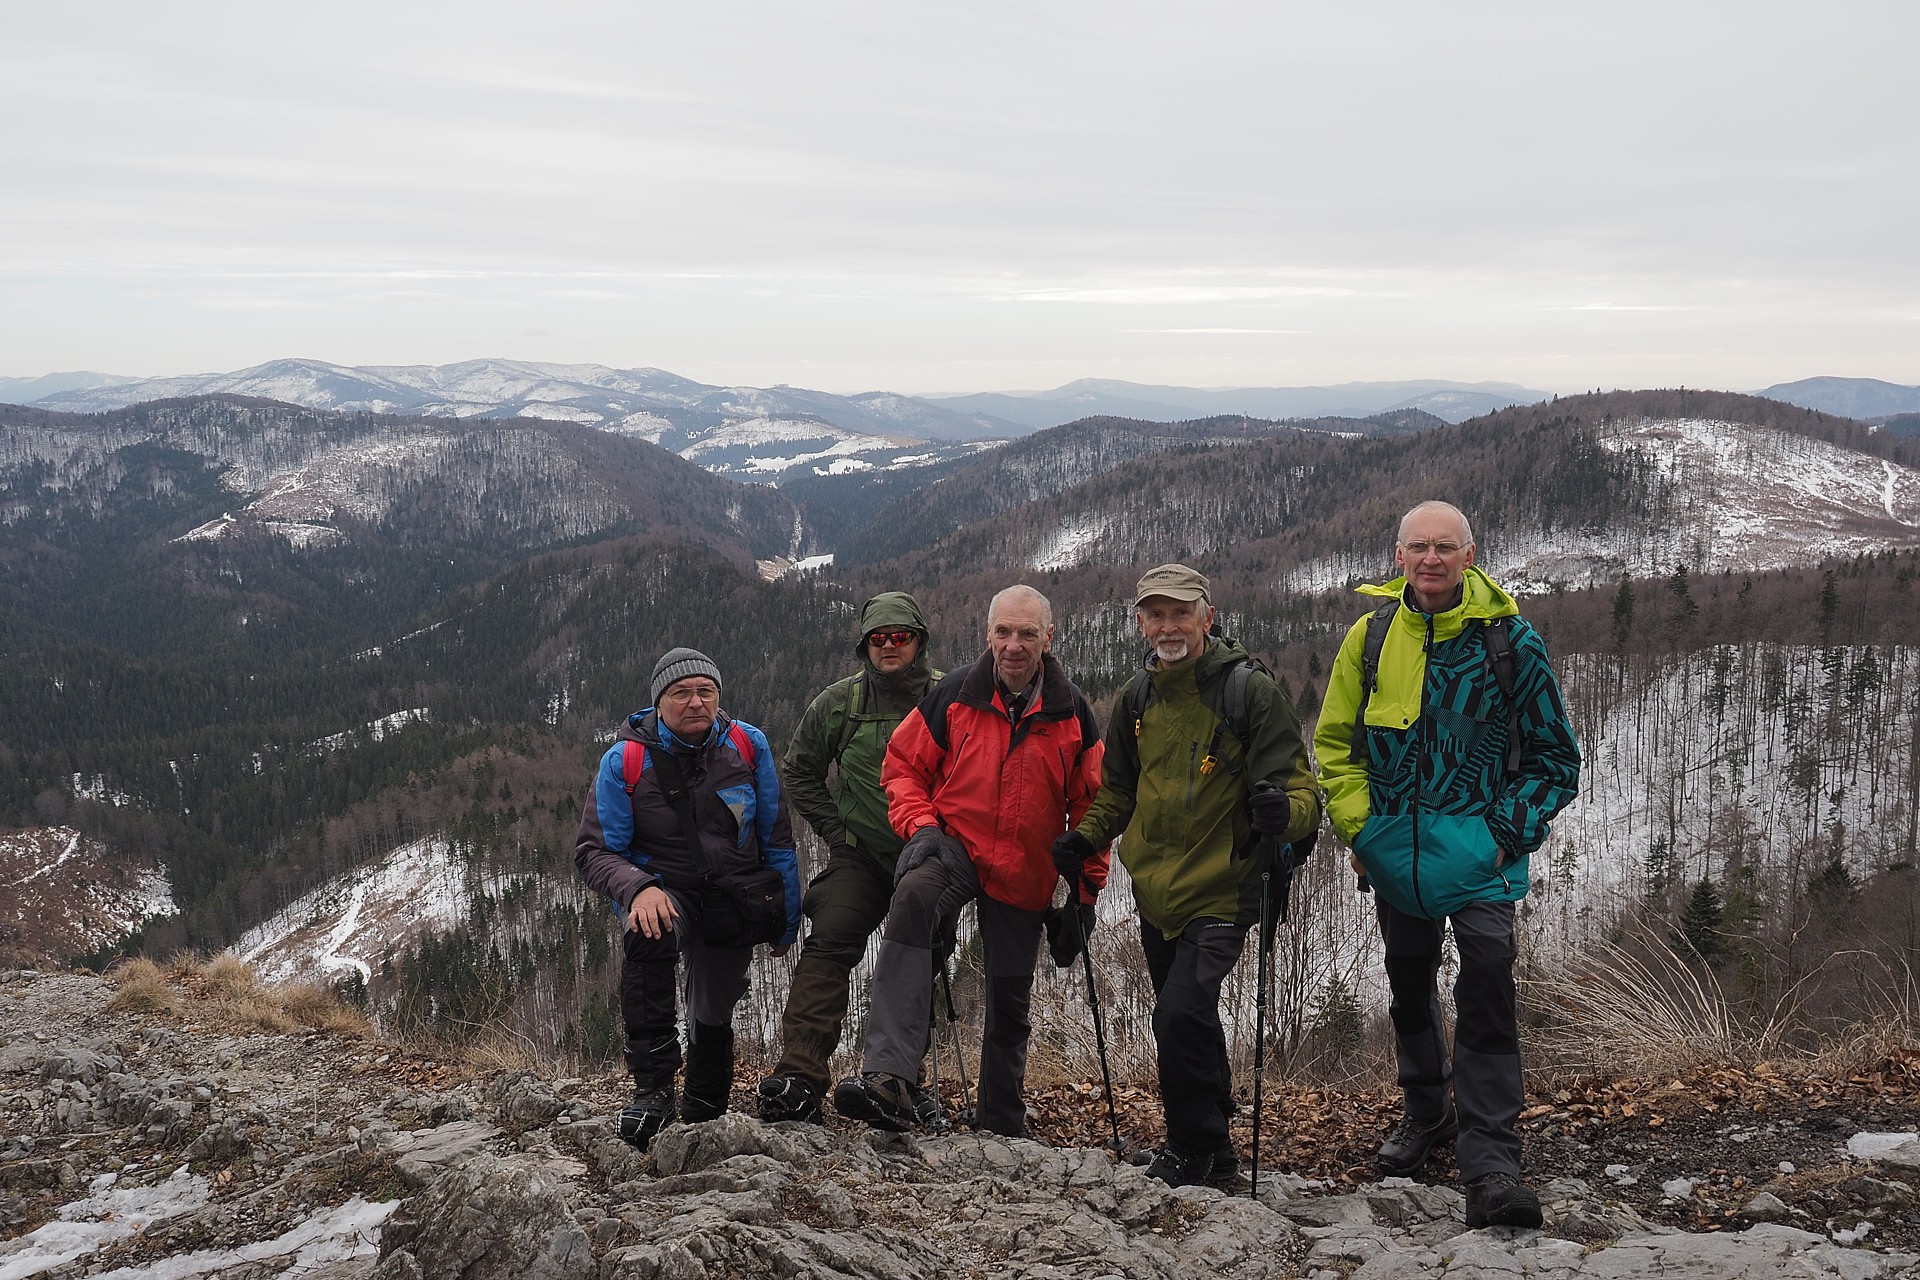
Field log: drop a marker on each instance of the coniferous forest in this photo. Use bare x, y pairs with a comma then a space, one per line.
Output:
443, 658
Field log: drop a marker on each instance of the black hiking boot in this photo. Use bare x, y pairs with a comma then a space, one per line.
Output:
1404, 1153
1224, 1171
1177, 1170
883, 1101
928, 1109
789, 1098
1221, 1169
650, 1112
1501, 1200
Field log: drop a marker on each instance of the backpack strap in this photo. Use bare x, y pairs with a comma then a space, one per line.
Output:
1237, 717
742, 742
633, 762
1497, 636
850, 722
1377, 623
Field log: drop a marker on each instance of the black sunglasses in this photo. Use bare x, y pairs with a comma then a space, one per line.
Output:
899, 639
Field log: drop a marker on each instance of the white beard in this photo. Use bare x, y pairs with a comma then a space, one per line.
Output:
1170, 650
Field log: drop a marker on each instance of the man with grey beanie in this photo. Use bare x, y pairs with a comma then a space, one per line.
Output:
686, 829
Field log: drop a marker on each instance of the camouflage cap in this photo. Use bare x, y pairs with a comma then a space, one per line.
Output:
1174, 581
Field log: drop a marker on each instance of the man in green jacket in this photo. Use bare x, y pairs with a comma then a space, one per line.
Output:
1443, 767
1181, 784
849, 726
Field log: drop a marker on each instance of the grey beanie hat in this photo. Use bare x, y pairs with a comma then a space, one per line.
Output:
678, 664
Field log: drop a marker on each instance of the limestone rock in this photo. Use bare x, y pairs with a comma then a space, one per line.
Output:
489, 1220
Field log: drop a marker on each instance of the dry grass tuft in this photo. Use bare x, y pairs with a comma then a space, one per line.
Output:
256, 1011
225, 990
228, 978
498, 1048
316, 1006
1645, 1009
140, 986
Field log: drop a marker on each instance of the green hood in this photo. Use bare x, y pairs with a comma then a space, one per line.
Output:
895, 609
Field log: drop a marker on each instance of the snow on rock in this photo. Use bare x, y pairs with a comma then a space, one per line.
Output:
106, 1214
1068, 546
354, 922
374, 729
63, 894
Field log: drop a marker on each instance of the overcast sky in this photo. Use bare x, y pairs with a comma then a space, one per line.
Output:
969, 196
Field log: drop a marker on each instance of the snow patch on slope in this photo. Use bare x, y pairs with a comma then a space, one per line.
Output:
63, 895
354, 922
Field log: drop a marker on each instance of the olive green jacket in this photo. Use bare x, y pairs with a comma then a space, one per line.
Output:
1181, 824
849, 724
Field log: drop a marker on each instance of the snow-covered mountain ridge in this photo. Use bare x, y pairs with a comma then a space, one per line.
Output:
319, 479
731, 430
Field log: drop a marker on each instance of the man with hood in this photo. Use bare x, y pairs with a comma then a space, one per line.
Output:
1181, 785
847, 726
1445, 750
685, 802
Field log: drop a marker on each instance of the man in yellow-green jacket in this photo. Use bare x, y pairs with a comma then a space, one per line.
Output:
1180, 780
1445, 750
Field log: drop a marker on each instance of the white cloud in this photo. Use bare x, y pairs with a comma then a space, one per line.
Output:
864, 195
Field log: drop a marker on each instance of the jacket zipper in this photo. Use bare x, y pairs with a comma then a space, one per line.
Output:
1193, 765
1420, 760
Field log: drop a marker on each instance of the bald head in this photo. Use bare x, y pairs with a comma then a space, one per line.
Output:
1435, 508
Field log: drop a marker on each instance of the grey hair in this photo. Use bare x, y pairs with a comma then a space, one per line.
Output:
1020, 591
1466, 530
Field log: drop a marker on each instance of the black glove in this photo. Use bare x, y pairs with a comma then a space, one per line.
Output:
1064, 936
928, 842
1272, 811
1070, 853
1300, 852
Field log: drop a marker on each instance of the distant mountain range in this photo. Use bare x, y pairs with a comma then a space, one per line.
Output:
1091, 397
1863, 398
755, 432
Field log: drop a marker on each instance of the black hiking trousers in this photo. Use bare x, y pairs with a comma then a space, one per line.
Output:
1196, 1080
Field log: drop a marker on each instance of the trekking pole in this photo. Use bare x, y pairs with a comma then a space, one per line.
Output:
1263, 980
953, 1039
1099, 1032
1262, 972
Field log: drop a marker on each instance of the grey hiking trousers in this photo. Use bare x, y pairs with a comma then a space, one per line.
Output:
902, 995
1484, 1075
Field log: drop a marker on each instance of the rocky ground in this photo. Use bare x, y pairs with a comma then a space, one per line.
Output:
168, 1144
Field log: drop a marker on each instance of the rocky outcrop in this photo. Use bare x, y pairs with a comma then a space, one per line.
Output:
252, 1155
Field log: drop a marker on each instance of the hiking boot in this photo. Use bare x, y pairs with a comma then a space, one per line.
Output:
789, 1098
1501, 1200
1224, 1171
883, 1101
651, 1111
1177, 1170
1222, 1168
928, 1109
1404, 1153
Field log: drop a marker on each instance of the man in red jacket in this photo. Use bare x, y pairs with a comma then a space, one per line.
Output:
1001, 758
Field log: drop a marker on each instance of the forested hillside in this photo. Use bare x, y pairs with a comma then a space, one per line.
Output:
238, 530
1051, 462
259, 712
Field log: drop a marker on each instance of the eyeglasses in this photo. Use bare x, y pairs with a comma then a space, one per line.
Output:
680, 697
1445, 550
899, 639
